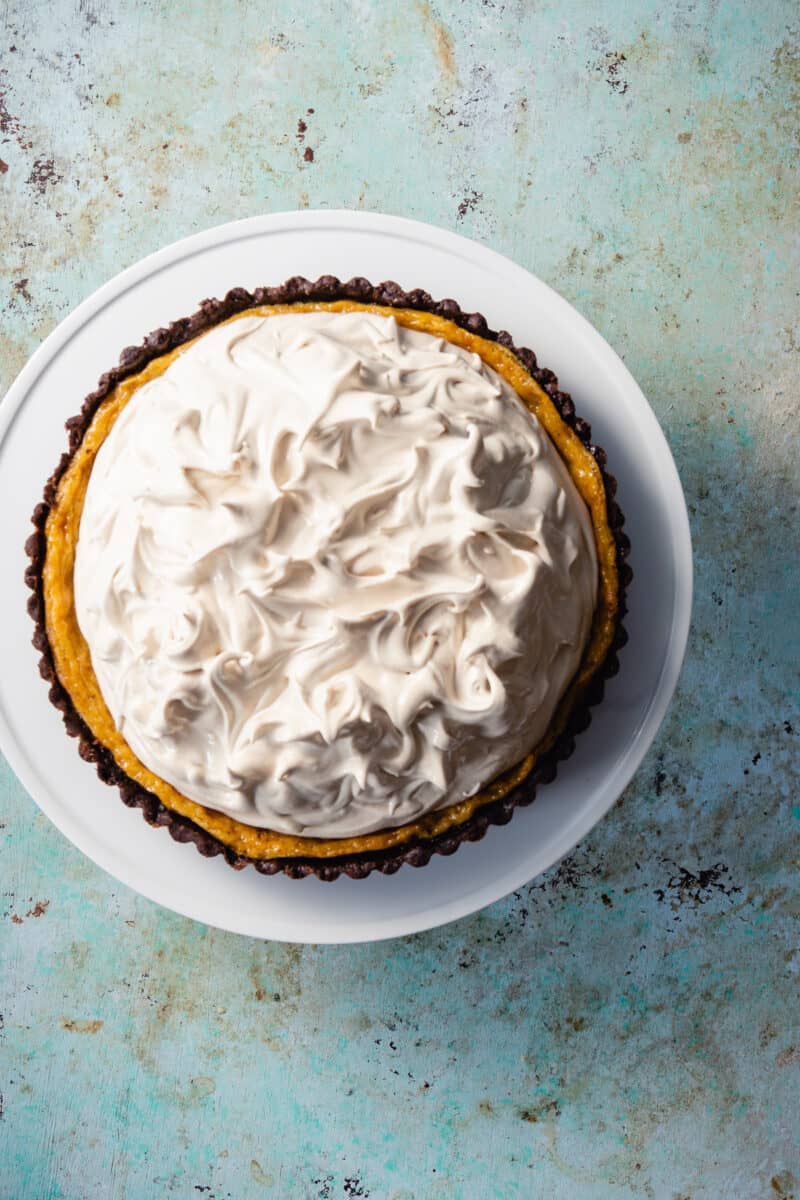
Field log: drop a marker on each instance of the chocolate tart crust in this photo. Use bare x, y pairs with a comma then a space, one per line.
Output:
418, 851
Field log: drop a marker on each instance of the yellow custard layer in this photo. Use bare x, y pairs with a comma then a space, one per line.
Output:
73, 661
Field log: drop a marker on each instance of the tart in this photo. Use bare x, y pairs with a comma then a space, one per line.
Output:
328, 578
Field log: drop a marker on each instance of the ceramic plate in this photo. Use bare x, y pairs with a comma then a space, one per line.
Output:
266, 250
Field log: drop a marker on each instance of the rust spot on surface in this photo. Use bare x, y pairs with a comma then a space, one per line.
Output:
301, 130
695, 888
786, 63
3, 167
684, 137
43, 175
200, 1088
10, 124
81, 1026
354, 1187
442, 41
548, 1110
258, 1173
17, 920
469, 204
259, 991
41, 906
112, 101
783, 1185
308, 155
610, 66
788, 1057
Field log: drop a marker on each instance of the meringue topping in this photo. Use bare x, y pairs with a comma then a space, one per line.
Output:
332, 573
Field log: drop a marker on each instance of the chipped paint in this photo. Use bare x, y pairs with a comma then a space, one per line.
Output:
627, 1024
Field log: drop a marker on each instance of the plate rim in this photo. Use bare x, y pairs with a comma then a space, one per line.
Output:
483, 257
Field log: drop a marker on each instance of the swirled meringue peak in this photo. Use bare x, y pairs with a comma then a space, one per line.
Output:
332, 573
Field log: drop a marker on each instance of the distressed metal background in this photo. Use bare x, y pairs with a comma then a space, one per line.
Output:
627, 1025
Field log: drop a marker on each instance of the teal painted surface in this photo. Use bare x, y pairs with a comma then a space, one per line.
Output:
628, 1024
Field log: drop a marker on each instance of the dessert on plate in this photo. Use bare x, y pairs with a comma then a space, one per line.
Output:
328, 578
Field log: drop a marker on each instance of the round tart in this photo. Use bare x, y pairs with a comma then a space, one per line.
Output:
329, 577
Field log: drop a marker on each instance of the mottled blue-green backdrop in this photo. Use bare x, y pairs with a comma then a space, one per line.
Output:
628, 1024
